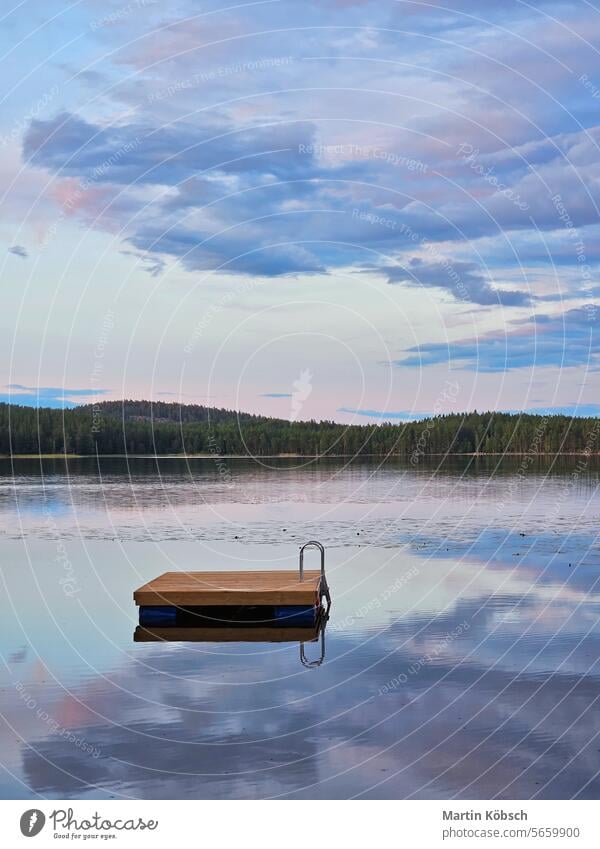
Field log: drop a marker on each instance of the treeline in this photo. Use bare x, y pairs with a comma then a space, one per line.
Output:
141, 427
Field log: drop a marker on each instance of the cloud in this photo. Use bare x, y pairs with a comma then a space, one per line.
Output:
18, 250
222, 163
152, 264
48, 396
233, 251
386, 415
221, 169
564, 340
145, 153
275, 395
463, 280
573, 409
278, 197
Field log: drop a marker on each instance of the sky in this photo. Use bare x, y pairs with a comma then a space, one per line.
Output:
347, 210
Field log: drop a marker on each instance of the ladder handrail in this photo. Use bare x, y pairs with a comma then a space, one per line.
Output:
312, 542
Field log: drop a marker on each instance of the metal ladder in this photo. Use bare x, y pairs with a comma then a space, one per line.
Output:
323, 587
323, 593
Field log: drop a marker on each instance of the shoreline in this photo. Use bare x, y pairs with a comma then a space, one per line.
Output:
582, 453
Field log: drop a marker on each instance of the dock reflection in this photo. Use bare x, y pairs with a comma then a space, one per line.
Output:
232, 632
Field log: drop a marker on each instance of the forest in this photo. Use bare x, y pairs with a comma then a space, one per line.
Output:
143, 427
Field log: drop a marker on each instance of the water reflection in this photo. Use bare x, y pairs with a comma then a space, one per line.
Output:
242, 633
367, 502
463, 662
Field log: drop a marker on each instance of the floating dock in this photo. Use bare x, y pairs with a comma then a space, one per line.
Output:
187, 599
210, 589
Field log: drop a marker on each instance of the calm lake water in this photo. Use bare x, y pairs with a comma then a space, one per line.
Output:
461, 657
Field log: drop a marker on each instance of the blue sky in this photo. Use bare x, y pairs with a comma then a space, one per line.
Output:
323, 210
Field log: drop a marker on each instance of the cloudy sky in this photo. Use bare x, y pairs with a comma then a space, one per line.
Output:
336, 209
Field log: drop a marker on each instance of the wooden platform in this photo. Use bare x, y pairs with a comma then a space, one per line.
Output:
226, 635
202, 589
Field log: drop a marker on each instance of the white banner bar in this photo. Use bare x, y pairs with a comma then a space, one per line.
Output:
301, 824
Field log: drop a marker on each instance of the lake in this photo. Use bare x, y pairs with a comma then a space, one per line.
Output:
461, 656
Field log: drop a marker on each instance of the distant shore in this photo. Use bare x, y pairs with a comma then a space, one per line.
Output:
169, 430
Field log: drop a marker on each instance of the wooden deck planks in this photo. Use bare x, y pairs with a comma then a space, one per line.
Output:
199, 589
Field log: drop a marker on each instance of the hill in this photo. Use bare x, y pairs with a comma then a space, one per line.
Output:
143, 427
